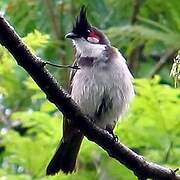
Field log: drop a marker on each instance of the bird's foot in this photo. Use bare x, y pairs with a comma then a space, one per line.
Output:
110, 131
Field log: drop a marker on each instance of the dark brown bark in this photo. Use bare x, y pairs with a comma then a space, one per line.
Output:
35, 67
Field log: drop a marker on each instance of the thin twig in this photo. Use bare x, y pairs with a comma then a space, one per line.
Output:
169, 53
136, 9
60, 66
168, 151
55, 14
136, 53
53, 19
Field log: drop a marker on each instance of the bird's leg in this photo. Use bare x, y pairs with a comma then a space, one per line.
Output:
110, 131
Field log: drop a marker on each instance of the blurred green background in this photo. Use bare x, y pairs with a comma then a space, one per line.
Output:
147, 34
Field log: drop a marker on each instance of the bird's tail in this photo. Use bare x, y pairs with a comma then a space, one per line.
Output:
65, 157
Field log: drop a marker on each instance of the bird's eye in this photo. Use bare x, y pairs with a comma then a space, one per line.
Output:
93, 37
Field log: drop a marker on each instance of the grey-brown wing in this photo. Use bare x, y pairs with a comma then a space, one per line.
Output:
72, 73
67, 128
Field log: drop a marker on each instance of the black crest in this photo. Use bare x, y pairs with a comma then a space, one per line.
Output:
81, 26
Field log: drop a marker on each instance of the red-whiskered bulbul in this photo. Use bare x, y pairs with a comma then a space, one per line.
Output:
102, 87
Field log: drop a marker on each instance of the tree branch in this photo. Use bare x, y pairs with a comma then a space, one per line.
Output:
35, 67
135, 12
160, 64
136, 52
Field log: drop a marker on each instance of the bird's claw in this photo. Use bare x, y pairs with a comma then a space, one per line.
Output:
114, 136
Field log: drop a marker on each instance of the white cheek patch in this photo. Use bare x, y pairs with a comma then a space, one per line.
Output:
85, 48
93, 39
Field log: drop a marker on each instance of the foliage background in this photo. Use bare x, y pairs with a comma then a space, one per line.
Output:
147, 34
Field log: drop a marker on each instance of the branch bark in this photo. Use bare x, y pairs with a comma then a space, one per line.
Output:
35, 67
168, 55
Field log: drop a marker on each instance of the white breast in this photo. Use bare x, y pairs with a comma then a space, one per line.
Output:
90, 84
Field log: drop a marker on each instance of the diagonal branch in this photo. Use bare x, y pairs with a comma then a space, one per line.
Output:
163, 60
35, 67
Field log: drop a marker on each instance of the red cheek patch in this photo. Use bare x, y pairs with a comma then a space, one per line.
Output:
93, 37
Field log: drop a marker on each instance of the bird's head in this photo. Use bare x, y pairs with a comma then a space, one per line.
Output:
84, 33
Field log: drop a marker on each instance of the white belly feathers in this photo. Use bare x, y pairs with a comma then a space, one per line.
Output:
91, 84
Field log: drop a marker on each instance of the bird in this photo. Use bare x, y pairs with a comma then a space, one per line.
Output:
102, 86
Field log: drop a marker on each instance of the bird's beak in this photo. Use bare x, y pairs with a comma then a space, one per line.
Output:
71, 35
